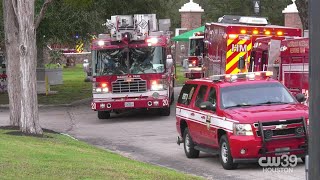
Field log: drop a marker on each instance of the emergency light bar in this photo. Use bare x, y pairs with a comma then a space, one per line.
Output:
249, 76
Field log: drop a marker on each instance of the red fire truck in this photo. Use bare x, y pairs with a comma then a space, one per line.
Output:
228, 45
195, 56
132, 67
294, 69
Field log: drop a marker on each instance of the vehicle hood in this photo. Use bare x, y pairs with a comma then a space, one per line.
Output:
267, 113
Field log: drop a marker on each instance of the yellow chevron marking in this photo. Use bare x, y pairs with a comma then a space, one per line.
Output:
236, 58
229, 53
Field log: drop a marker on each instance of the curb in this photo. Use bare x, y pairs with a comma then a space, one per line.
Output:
73, 104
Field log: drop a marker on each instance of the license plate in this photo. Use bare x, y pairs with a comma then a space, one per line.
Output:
282, 149
128, 104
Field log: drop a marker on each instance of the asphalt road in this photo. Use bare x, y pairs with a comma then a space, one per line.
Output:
148, 137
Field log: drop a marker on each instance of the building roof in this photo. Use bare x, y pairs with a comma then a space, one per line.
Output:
291, 8
191, 7
185, 36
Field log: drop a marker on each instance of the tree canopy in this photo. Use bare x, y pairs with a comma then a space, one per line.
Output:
67, 19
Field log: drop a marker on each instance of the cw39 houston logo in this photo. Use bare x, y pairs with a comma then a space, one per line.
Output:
284, 163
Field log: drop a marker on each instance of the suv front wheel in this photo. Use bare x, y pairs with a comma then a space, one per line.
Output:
225, 154
189, 145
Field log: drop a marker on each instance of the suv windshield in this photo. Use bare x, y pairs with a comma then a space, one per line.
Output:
144, 60
255, 95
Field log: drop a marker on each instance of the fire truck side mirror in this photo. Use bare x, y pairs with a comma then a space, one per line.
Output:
207, 106
241, 63
300, 97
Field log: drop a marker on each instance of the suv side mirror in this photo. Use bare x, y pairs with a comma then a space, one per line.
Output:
300, 97
241, 63
207, 106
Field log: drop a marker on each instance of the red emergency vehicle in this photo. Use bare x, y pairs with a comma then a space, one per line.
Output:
241, 117
195, 56
132, 67
288, 58
228, 46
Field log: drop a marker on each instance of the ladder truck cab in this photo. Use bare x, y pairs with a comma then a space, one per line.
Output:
195, 56
229, 43
132, 67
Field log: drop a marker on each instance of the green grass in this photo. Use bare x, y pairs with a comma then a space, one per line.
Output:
180, 76
73, 88
60, 157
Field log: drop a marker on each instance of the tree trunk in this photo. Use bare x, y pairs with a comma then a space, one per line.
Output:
28, 55
13, 62
302, 6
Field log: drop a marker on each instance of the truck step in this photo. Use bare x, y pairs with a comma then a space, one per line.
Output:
207, 150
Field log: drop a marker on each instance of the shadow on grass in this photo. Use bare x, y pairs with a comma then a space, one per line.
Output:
15, 131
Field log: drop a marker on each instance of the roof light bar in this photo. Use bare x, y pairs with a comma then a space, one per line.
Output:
249, 76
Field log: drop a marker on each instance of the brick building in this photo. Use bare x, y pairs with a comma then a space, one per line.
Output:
291, 16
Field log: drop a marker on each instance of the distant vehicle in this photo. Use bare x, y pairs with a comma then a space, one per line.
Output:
241, 117
195, 56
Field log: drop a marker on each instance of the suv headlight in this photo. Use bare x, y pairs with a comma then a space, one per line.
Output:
242, 129
158, 85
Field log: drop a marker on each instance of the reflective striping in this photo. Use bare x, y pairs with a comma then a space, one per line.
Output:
200, 117
236, 49
201, 112
296, 67
203, 123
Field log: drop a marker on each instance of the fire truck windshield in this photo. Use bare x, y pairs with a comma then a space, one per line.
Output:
255, 95
145, 60
196, 47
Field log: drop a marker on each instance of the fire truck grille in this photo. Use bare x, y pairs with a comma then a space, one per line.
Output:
135, 85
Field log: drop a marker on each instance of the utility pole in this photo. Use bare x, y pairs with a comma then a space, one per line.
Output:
314, 74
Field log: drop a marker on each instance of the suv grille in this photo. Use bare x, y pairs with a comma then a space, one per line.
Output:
135, 85
281, 132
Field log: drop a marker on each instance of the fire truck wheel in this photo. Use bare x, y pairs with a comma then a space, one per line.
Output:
165, 111
103, 114
189, 145
225, 154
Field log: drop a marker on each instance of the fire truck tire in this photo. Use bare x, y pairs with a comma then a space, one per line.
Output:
103, 114
189, 145
225, 154
165, 111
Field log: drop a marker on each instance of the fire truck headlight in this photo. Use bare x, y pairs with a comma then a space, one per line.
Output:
242, 129
101, 43
105, 90
98, 90
158, 85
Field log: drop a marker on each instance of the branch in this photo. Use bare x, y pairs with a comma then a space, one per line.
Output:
42, 12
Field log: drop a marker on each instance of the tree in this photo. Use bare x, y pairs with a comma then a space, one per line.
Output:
20, 34
302, 6
13, 61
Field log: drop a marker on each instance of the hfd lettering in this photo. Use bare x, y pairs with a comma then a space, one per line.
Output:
239, 48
